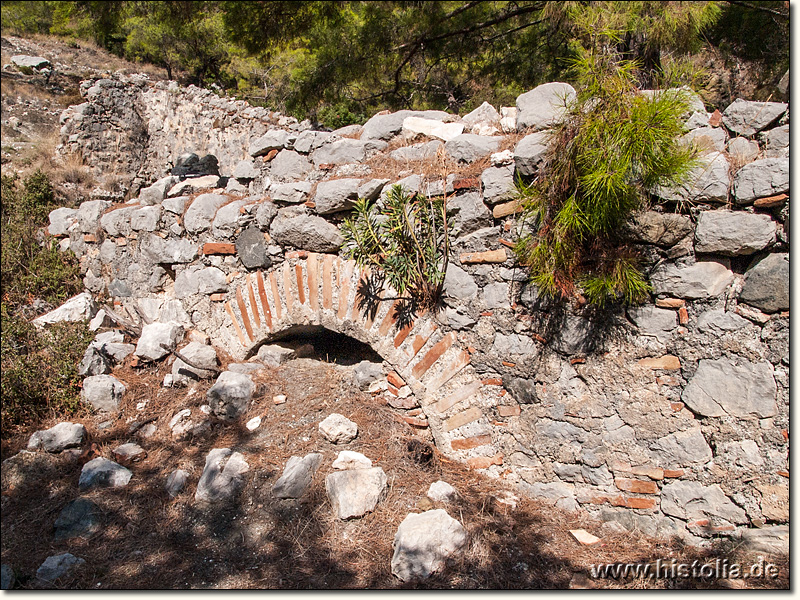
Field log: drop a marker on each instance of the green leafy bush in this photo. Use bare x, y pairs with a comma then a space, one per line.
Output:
612, 147
404, 238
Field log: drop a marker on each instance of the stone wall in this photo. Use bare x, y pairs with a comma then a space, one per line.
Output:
671, 417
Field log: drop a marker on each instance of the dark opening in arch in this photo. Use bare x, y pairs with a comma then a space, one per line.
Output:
329, 346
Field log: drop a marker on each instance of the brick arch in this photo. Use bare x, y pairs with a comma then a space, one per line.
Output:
321, 289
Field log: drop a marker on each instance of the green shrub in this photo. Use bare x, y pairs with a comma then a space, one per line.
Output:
613, 146
405, 240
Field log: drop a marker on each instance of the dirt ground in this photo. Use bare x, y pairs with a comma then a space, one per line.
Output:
148, 540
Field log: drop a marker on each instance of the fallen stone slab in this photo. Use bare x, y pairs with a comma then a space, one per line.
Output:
30, 62
701, 280
57, 566
230, 395
355, 492
129, 453
338, 429
158, 339
79, 518
297, 476
203, 363
77, 308
346, 151
544, 105
424, 542
223, 476
101, 472
746, 118
441, 491
733, 233
469, 147
760, 179
57, 438
432, 128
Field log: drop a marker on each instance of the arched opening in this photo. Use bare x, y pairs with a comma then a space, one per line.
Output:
328, 346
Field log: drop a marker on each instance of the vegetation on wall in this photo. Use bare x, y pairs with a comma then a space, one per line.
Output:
613, 146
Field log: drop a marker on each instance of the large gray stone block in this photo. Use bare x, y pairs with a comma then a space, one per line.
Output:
691, 500
101, 472
700, 280
103, 392
733, 233
424, 542
307, 232
297, 476
200, 214
766, 284
543, 106
336, 195
732, 386
355, 492
386, 126
223, 476
747, 118
156, 335
230, 395
57, 438
682, 448
468, 147
760, 179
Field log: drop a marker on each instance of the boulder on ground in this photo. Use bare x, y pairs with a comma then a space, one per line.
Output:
424, 542
57, 438
79, 518
355, 492
230, 395
77, 308
103, 392
297, 476
57, 566
101, 472
223, 476
338, 429
347, 459
543, 106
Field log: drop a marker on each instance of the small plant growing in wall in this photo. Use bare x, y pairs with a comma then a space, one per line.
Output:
613, 146
403, 239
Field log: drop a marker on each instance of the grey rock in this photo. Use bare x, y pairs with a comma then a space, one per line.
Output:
306, 232
692, 500
529, 153
245, 169
425, 151
512, 344
522, 390
708, 182
57, 566
386, 126
230, 395
308, 141
353, 130
176, 482
457, 319
156, 335
346, 151
202, 355
336, 195
57, 438
211, 280
227, 219
707, 138
274, 355
223, 476
156, 193
471, 214
653, 321
89, 214
544, 105
469, 147
201, 212
355, 492
766, 284
101, 472
720, 321
682, 448
366, 372
118, 352
79, 518
700, 280
762, 178
103, 392
748, 118
265, 213
251, 248
732, 386
195, 184
482, 120
698, 119
30, 62
297, 476
145, 218
742, 151
291, 193
498, 184
78, 308
557, 493
424, 542
94, 362
7, 577
170, 251
289, 166
409, 185
61, 219
661, 229
773, 540
371, 189
776, 142
189, 164
129, 453
532, 299
576, 336
441, 491
275, 139
733, 233
459, 284
495, 295
338, 429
